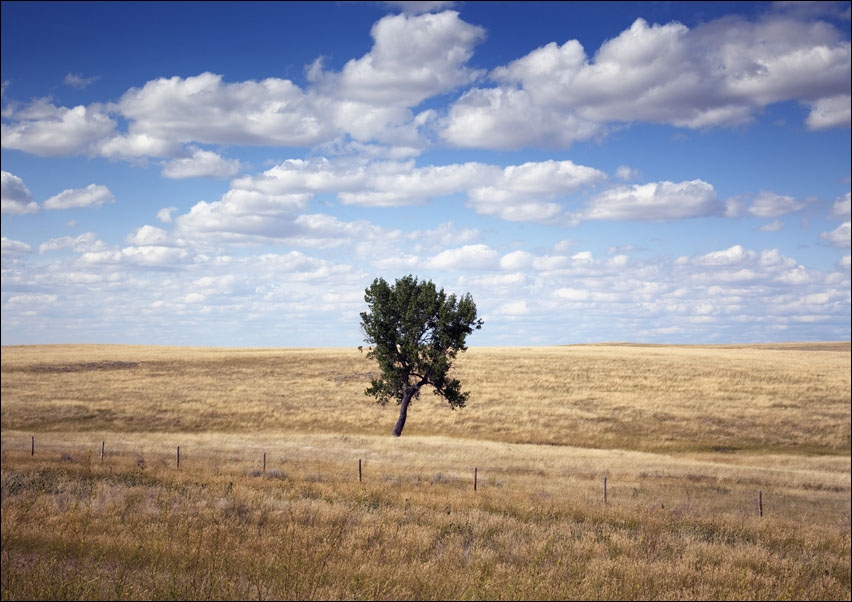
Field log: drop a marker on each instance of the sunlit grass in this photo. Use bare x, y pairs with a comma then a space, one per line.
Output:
688, 438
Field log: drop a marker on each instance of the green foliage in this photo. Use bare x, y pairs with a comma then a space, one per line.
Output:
415, 332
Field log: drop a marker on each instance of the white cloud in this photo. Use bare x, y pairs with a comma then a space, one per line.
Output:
79, 244
441, 236
76, 80
28, 300
839, 237
571, 294
514, 308
731, 256
628, 173
657, 201
508, 118
132, 146
15, 197
92, 195
46, 130
414, 186
468, 257
527, 192
147, 236
204, 109
517, 260
843, 205
719, 74
165, 214
413, 58
242, 214
514, 192
775, 226
151, 256
830, 113
768, 204
13, 249
201, 164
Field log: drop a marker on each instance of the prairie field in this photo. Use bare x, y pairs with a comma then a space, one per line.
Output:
618, 471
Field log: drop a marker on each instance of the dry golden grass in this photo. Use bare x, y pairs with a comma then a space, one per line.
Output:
786, 399
687, 437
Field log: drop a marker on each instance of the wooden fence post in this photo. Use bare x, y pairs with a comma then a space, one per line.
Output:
178, 456
102, 450
474, 478
264, 462
359, 470
605, 501
32, 445
760, 503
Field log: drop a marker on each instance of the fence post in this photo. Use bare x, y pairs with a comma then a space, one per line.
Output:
359, 470
605, 501
32, 445
760, 503
474, 478
102, 450
178, 456
264, 462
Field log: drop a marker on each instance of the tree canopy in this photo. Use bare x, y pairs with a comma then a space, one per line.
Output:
415, 332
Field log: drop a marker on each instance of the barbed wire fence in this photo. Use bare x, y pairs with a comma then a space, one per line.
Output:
255, 461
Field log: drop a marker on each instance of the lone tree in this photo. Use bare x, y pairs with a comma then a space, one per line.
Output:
415, 333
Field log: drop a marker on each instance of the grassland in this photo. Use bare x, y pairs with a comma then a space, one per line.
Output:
267, 502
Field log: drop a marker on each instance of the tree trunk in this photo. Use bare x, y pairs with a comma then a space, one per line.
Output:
403, 411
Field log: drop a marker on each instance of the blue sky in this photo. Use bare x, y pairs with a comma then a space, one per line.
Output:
237, 173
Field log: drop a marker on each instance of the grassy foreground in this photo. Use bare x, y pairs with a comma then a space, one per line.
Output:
291, 487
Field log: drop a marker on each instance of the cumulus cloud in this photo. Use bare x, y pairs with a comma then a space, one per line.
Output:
413, 58
243, 213
132, 146
718, 74
625, 172
830, 113
46, 130
657, 201
148, 236
768, 204
151, 256
206, 110
731, 256
843, 206
839, 237
252, 217
514, 192
201, 164
92, 195
468, 257
165, 214
413, 186
517, 260
15, 197
527, 192
14, 249
509, 118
